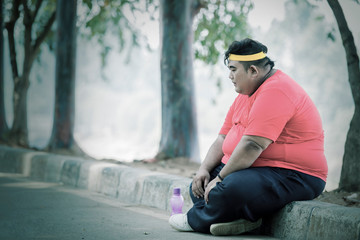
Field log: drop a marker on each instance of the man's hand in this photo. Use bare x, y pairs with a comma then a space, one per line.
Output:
209, 187
200, 183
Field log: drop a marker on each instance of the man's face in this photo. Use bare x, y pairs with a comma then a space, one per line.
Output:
240, 78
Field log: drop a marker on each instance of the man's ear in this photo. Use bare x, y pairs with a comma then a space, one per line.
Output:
253, 70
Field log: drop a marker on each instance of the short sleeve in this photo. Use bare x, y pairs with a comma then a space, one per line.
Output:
270, 112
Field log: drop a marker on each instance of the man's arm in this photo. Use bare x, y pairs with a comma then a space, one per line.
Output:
212, 159
244, 155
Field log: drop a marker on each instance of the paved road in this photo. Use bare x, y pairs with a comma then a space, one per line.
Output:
38, 210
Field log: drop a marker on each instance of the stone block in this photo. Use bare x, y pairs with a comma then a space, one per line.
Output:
12, 159
291, 222
54, 167
37, 166
110, 178
156, 190
332, 222
27, 165
70, 171
131, 184
85, 173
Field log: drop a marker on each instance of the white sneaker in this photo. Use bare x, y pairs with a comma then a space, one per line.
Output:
180, 223
234, 228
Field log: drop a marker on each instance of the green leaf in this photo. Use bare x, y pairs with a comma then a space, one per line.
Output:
331, 36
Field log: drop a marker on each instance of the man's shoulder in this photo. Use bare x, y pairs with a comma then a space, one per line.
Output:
283, 82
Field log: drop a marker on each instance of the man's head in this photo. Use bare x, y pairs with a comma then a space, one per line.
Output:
248, 64
247, 47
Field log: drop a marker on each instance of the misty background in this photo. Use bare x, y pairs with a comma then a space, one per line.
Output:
118, 108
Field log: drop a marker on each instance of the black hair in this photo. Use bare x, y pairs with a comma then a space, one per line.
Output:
248, 46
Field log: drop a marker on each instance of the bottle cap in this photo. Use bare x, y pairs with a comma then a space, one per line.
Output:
177, 191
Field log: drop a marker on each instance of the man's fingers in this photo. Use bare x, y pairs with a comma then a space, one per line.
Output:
206, 182
197, 189
209, 187
206, 195
199, 183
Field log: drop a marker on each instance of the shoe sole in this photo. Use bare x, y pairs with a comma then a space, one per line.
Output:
234, 228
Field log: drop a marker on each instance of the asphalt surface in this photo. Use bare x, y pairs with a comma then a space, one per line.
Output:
39, 210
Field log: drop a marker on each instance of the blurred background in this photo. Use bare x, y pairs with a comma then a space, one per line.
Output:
118, 105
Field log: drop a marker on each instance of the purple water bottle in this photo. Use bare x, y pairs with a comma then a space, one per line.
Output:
176, 202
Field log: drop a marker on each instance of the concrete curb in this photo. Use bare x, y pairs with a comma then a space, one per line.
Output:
298, 220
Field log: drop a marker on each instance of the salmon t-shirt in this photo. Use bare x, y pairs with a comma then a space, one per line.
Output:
281, 111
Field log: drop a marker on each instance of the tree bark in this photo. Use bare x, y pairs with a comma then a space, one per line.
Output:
179, 127
350, 177
62, 138
19, 132
3, 125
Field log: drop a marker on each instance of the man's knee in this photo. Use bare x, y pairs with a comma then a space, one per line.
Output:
237, 189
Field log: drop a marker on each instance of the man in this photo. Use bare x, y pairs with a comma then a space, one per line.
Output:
269, 151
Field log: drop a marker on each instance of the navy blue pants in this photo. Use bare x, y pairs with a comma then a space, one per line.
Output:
251, 194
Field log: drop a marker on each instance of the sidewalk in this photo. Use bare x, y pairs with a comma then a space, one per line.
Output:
298, 220
40, 210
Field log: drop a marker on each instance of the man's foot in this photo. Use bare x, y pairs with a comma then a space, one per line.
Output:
180, 223
234, 228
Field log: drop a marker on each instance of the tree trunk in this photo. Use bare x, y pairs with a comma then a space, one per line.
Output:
62, 139
350, 177
179, 128
19, 130
3, 126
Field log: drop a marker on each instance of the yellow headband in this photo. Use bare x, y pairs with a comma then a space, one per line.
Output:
247, 58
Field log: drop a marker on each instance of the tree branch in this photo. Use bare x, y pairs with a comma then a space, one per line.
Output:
37, 7
27, 38
27, 14
10, 25
15, 13
41, 37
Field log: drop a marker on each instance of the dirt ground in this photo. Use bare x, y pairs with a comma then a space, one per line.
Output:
183, 168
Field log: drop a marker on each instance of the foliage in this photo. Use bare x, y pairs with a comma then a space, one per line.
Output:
217, 25
214, 25
116, 17
96, 19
